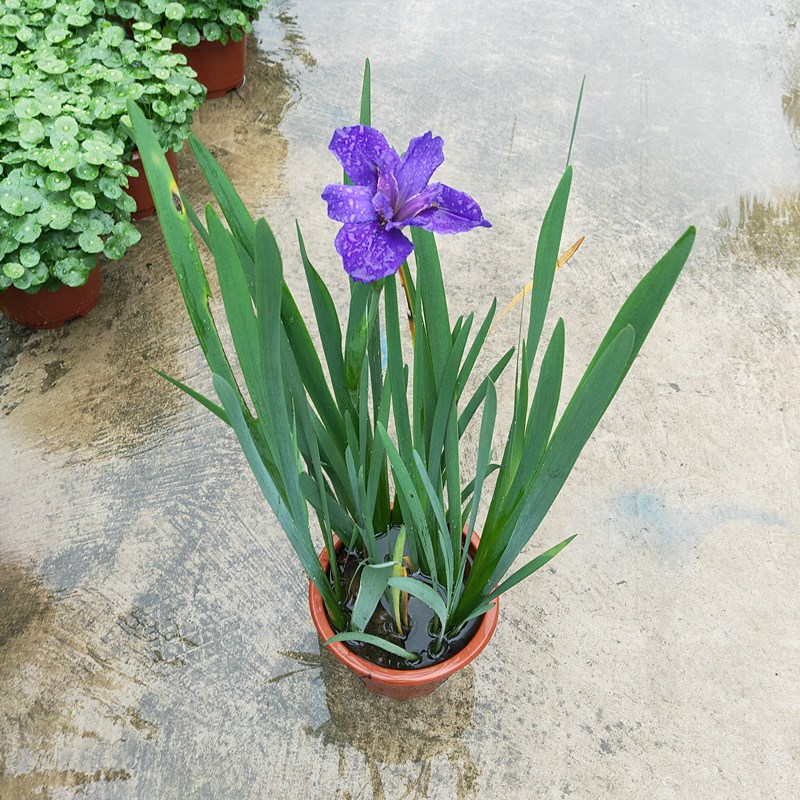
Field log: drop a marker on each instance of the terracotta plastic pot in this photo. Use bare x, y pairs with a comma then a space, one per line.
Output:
219, 67
400, 684
139, 188
46, 309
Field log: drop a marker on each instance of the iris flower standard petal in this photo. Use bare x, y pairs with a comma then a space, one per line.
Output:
359, 150
424, 156
390, 193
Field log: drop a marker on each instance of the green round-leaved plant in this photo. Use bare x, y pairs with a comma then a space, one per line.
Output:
31, 198
55, 215
63, 129
188, 35
11, 21
96, 152
82, 199
28, 230
13, 270
77, 20
52, 65
86, 171
25, 34
62, 160
127, 203
12, 204
174, 11
50, 105
66, 73
56, 32
127, 10
26, 108
31, 131
57, 181
72, 270
29, 256
114, 36
90, 242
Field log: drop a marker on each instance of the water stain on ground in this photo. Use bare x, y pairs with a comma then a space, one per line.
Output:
389, 734
242, 129
72, 693
88, 386
768, 227
93, 375
13, 341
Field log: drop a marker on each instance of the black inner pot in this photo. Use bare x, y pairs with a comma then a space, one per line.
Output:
418, 639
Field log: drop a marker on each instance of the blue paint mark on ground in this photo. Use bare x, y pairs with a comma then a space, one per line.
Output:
668, 524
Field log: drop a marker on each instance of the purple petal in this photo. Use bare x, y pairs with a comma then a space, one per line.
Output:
349, 203
418, 203
369, 252
450, 211
382, 206
359, 150
387, 179
424, 155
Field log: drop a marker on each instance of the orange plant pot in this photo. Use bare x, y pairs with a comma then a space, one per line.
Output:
139, 188
400, 684
219, 67
45, 309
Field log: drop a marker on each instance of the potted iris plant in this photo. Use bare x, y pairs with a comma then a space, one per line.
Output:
367, 438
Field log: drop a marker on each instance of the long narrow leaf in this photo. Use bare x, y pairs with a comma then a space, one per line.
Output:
394, 353
413, 514
475, 348
645, 302
180, 243
477, 398
233, 209
328, 325
541, 416
481, 471
499, 548
374, 580
575, 120
434, 299
529, 568
269, 279
444, 548
368, 638
238, 309
547, 249
196, 223
299, 537
424, 593
195, 395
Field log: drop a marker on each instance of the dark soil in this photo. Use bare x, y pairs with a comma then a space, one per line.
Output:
418, 638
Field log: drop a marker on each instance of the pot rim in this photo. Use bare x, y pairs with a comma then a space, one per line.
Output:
400, 677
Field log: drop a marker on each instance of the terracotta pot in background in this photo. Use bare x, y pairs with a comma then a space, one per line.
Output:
400, 684
46, 309
219, 67
139, 188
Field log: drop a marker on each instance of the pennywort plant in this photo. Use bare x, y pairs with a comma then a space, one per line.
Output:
370, 440
65, 78
160, 82
188, 20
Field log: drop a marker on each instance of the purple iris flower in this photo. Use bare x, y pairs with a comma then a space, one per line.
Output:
390, 192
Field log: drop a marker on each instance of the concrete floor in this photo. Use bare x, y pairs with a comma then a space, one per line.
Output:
154, 637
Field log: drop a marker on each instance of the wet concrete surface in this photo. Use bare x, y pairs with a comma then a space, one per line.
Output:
154, 637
